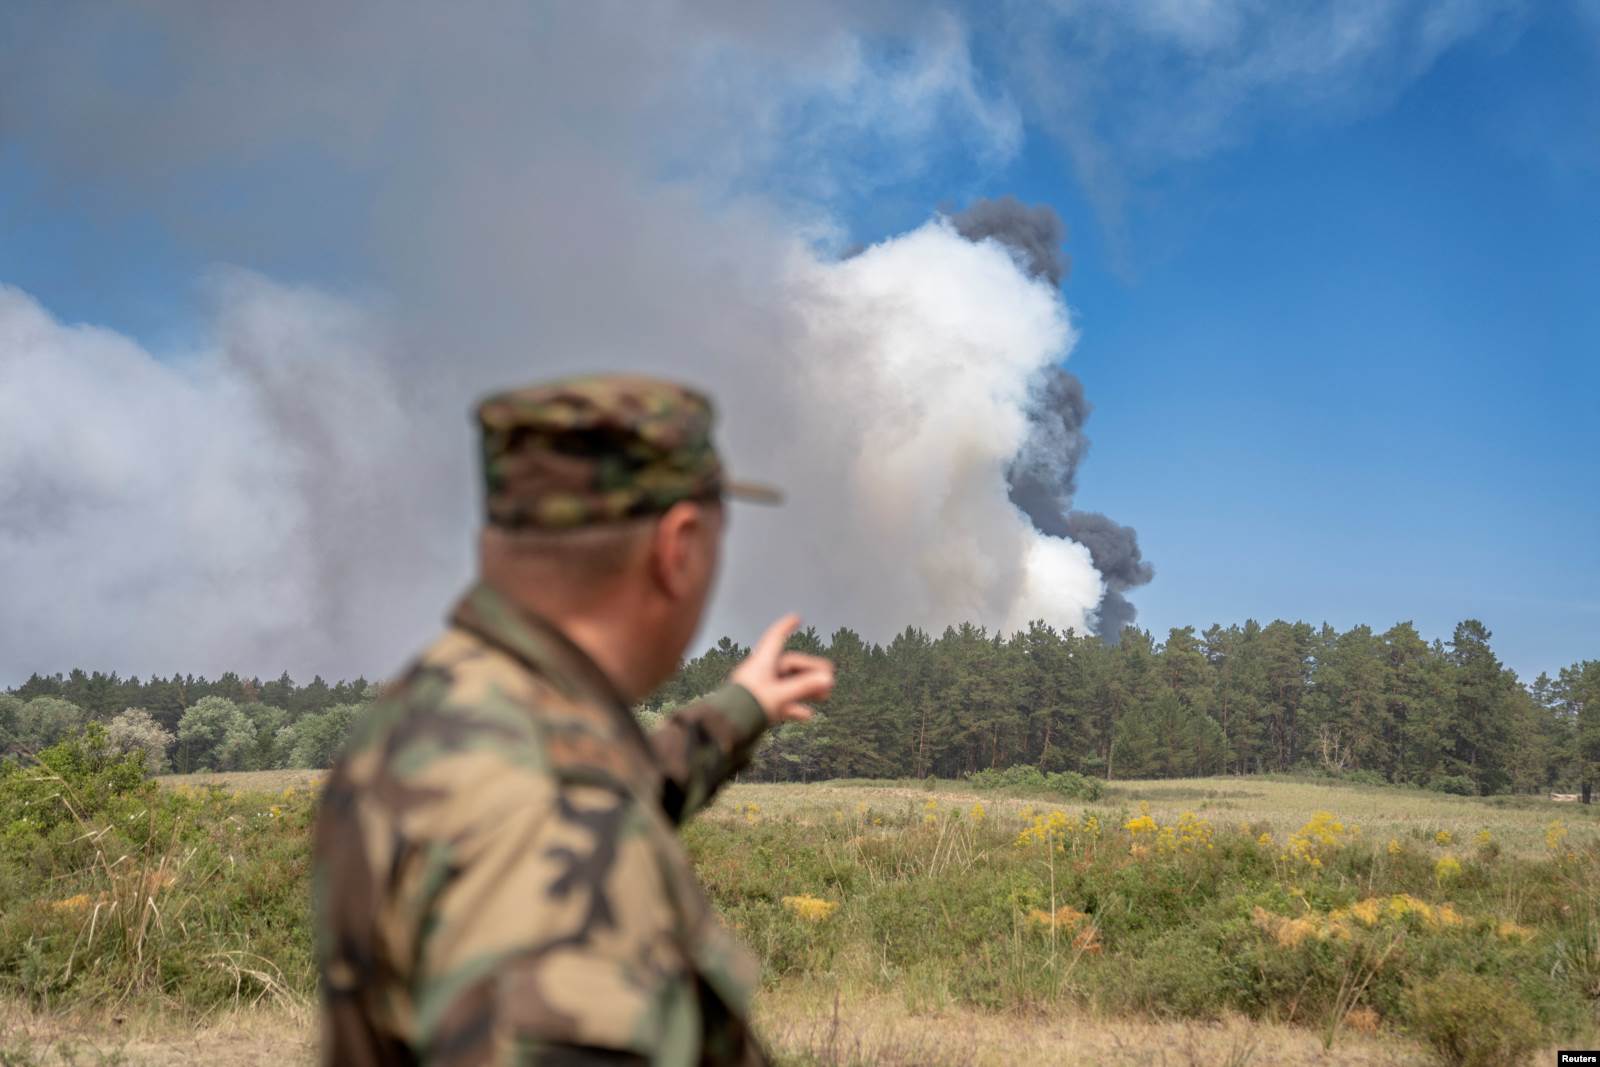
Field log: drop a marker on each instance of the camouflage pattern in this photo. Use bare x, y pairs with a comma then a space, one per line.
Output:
599, 449
497, 875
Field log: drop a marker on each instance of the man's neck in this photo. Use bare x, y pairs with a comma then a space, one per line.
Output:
603, 642
598, 635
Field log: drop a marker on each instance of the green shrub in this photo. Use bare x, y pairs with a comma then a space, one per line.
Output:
1473, 1021
1454, 784
1364, 777
111, 887
1068, 785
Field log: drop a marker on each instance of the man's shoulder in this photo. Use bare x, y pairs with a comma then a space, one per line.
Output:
467, 701
458, 693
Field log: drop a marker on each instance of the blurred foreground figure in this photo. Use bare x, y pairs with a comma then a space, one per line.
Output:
497, 875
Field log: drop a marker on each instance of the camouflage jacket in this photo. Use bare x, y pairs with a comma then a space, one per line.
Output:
497, 875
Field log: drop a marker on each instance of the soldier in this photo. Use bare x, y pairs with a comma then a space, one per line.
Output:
497, 875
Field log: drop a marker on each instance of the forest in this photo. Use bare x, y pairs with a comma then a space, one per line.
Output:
1284, 697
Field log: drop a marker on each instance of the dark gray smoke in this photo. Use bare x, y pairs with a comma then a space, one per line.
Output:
1114, 548
1032, 233
1043, 478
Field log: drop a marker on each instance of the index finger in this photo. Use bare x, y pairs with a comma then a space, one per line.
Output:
771, 642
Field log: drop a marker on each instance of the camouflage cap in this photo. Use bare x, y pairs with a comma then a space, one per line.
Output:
597, 449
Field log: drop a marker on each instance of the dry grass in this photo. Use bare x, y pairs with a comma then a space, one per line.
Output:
242, 1038
809, 1025
803, 1024
1517, 824
247, 781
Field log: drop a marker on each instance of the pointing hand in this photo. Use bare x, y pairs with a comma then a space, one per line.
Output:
783, 682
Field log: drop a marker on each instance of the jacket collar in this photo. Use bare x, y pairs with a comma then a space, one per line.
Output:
539, 644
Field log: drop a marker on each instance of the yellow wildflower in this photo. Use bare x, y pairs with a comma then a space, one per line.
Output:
1193, 831
1285, 931
1395, 848
1265, 840
1442, 838
1142, 824
1322, 832
978, 814
1051, 828
1447, 869
1403, 904
1507, 930
80, 902
1483, 838
1366, 911
1065, 917
1554, 836
811, 909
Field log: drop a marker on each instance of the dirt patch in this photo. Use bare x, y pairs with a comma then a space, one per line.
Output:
243, 1038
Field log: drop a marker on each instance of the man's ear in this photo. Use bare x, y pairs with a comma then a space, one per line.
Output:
676, 540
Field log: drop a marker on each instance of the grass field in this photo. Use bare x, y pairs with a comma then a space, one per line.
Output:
1239, 921
1281, 804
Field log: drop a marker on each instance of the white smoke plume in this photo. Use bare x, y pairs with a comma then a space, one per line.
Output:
263, 503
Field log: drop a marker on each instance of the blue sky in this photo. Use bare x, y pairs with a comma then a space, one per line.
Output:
1352, 370
1343, 359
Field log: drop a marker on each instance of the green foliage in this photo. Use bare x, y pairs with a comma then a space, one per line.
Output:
1455, 784
215, 735
111, 887
43, 721
1359, 706
1474, 1021
945, 906
315, 740
1066, 785
1363, 777
136, 730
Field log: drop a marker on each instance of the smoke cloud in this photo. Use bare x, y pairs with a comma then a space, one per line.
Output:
1114, 549
1033, 232
470, 200
1043, 476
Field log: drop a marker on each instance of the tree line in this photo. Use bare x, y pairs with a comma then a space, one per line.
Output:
185, 723
1284, 697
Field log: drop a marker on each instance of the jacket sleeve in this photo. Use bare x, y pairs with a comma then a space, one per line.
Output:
701, 745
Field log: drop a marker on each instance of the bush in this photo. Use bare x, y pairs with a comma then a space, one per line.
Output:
136, 730
1365, 777
113, 888
1069, 785
1473, 1021
1454, 784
